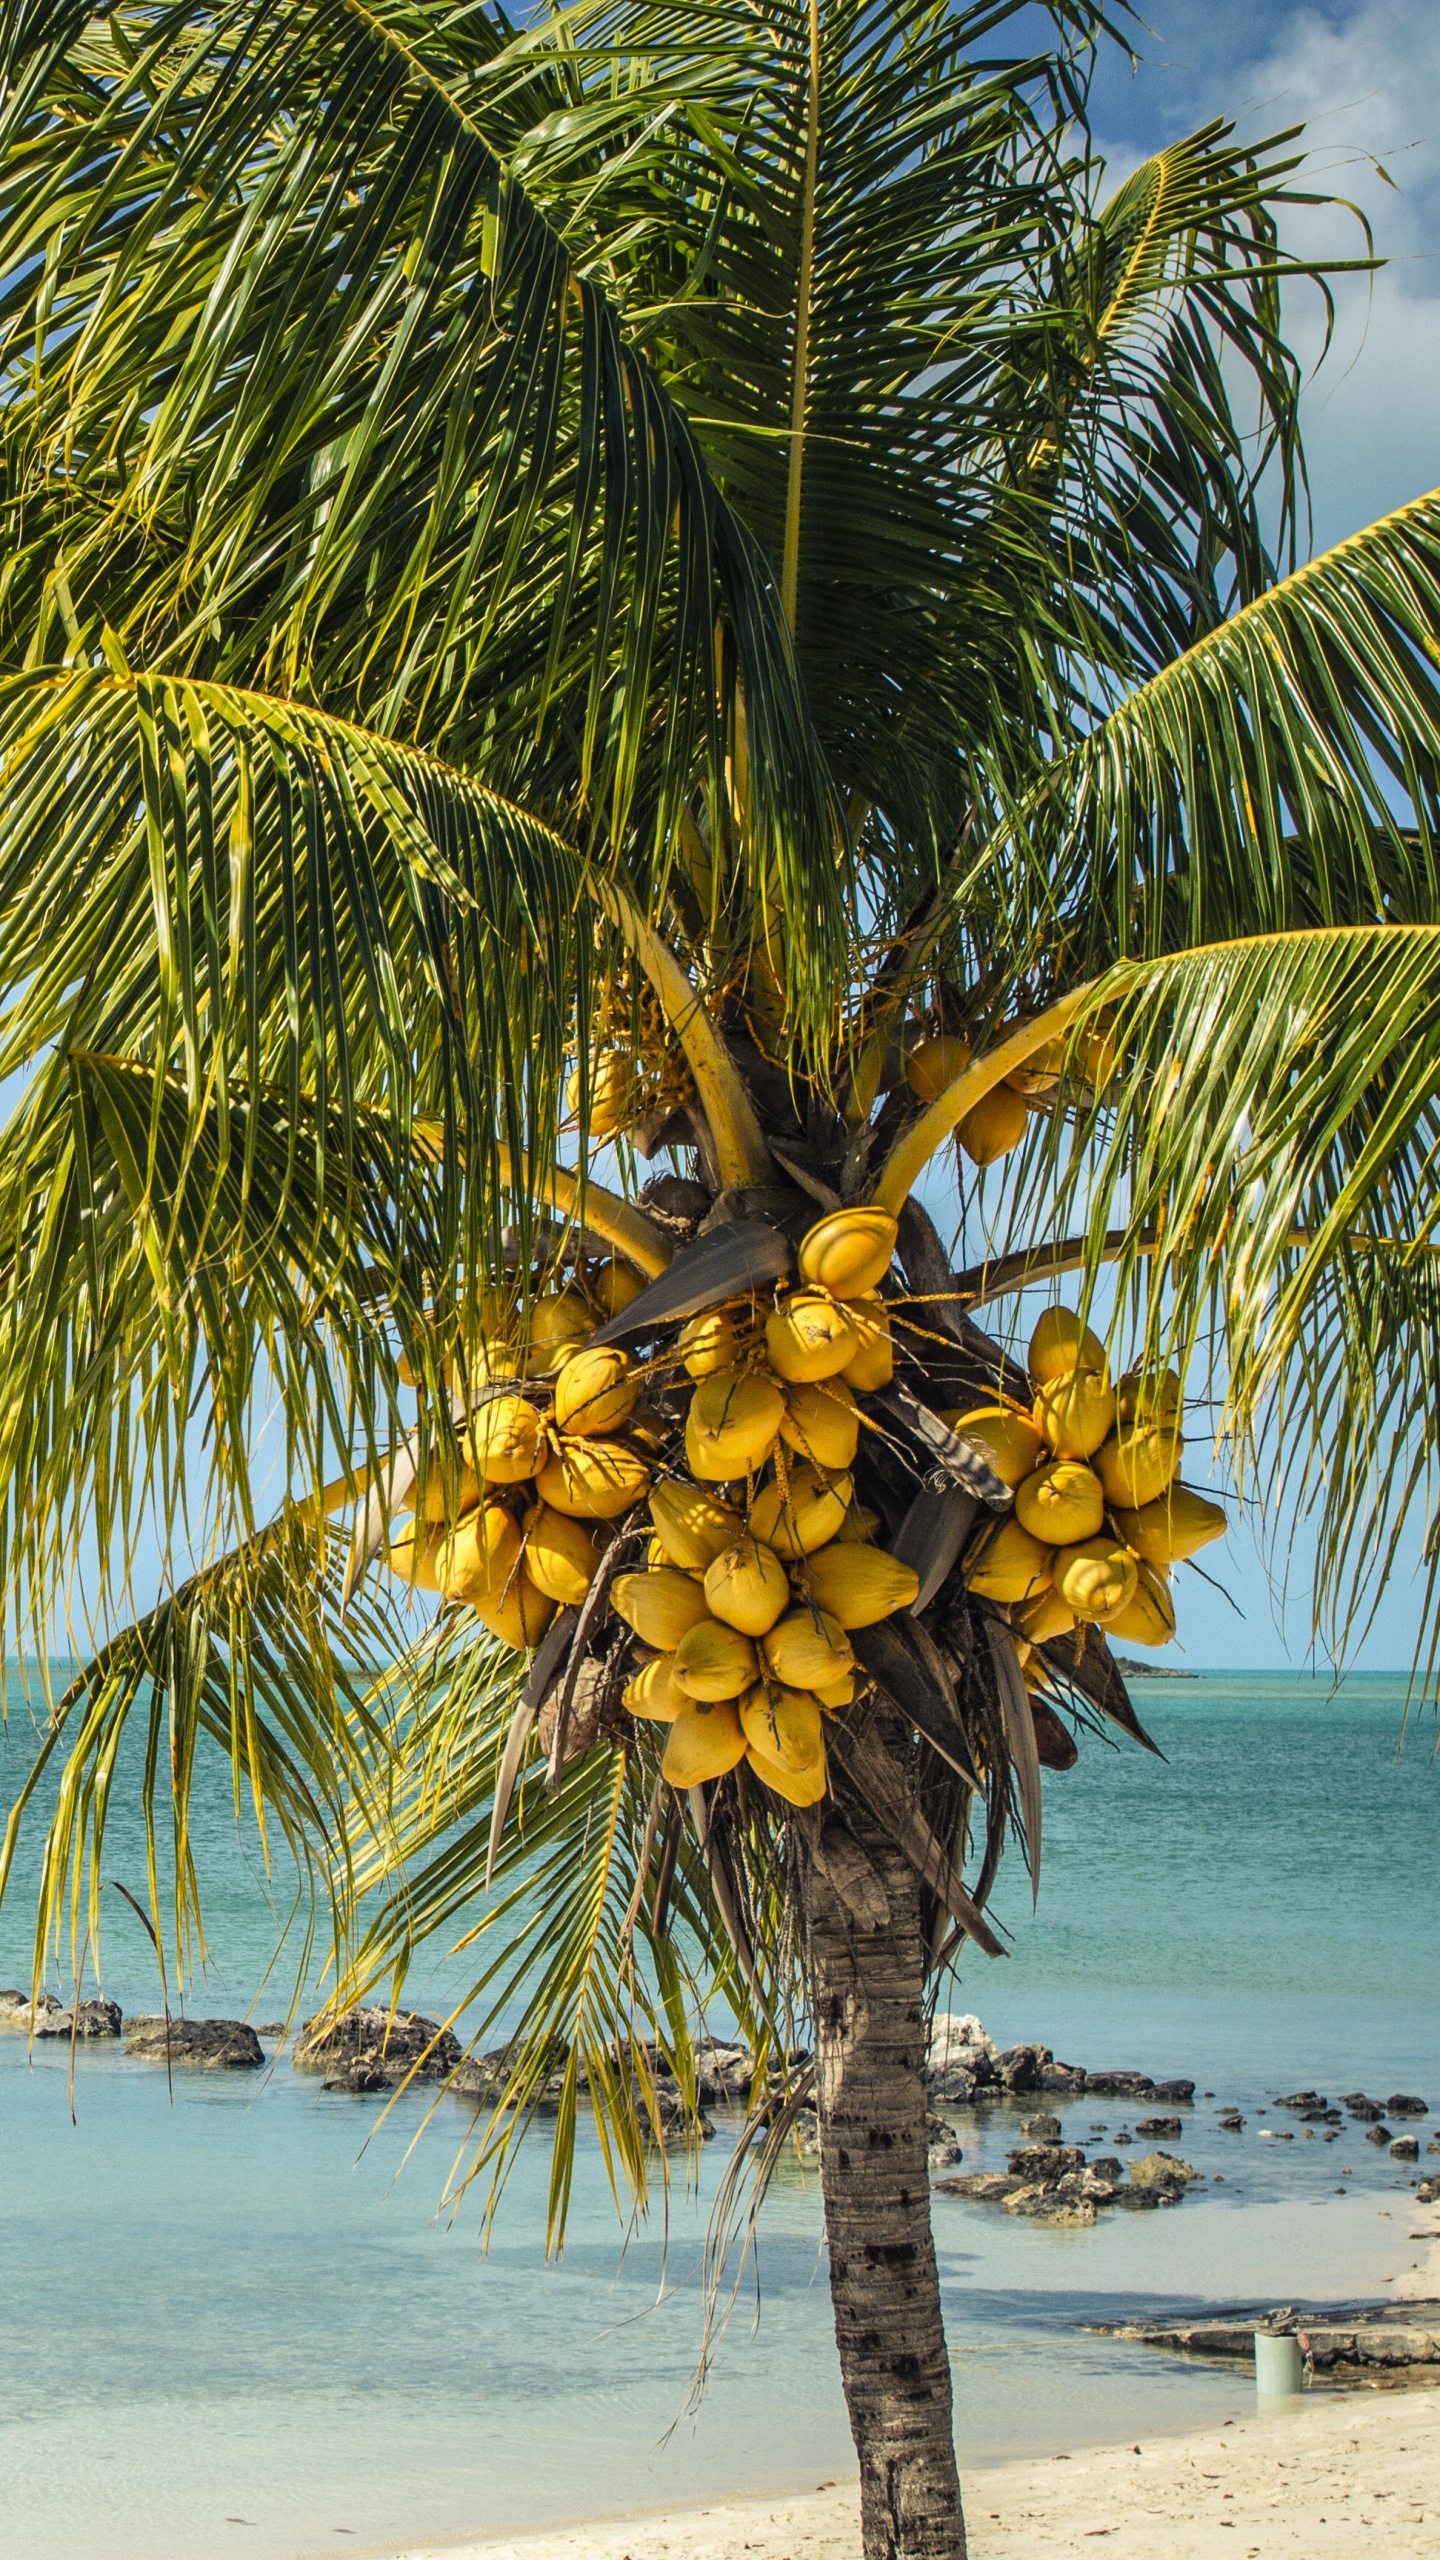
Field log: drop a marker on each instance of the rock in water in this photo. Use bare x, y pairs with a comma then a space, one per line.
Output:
1046, 2160
1160, 2128
375, 2040
1040, 2128
1403, 2106
1119, 2084
200, 2044
1405, 2147
1157, 2170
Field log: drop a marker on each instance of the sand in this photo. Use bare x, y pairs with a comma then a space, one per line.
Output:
1341, 2475
1338, 2474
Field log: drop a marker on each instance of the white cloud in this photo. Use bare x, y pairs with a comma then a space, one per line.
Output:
1366, 84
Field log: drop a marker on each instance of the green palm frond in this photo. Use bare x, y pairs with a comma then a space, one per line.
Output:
1284, 772
589, 1969
302, 391
1260, 1177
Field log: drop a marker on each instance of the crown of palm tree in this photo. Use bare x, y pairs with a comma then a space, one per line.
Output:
498, 518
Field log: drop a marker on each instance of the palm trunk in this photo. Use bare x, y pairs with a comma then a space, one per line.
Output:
870, 2054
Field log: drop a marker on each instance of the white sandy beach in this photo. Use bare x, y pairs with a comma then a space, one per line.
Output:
1336, 2477
1328, 2479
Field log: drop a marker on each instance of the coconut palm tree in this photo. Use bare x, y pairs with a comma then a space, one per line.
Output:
694, 584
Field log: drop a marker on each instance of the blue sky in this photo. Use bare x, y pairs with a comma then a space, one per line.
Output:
1365, 81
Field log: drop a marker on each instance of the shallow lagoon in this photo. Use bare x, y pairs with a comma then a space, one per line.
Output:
236, 2323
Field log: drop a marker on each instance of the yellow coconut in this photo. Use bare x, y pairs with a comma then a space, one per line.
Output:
858, 1586
692, 1526
519, 1615
661, 1606
849, 1252
712, 1342
1012, 1565
809, 1336
836, 1694
440, 1502
559, 1323
481, 1556
614, 1286
796, 1786
613, 1095
995, 1124
415, 1557
592, 1479
1013, 1444
1041, 1071
1177, 1524
507, 1440
731, 1426
595, 1392
1045, 1616
783, 1723
1147, 1395
491, 1357
873, 1364
655, 1692
807, 1648
1096, 1579
1135, 1466
1075, 1411
1099, 1056
797, 1517
822, 1422
712, 1661
1150, 1617
1059, 1343
936, 1062
858, 1527
747, 1587
560, 1555
704, 1741
1061, 1503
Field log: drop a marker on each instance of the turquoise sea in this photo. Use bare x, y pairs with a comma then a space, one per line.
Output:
233, 2321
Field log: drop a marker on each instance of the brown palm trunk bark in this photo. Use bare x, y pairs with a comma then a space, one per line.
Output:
868, 1984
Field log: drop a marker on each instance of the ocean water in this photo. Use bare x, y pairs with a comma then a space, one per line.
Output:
234, 2320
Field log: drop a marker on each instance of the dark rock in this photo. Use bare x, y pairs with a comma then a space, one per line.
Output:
1062, 2079
1321, 2115
1230, 2122
1428, 2191
357, 2084
1378, 2133
1303, 2098
1176, 2092
1161, 2128
1046, 2160
201, 2044
957, 2088
1040, 2128
16, 2011
271, 2027
1020, 2067
985, 2186
374, 2040
1367, 2110
1110, 2172
1118, 2084
1403, 2106
92, 2018
1405, 2147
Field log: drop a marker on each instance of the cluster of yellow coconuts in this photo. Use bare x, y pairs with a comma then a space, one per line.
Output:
1100, 1516
759, 1565
997, 1122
